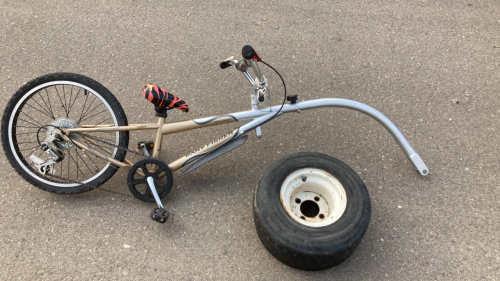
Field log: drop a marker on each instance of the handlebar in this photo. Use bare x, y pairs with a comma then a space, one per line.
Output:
225, 64
260, 90
250, 61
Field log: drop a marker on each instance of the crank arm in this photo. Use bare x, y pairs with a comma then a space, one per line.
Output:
158, 214
152, 188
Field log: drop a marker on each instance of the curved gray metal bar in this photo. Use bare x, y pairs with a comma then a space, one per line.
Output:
263, 115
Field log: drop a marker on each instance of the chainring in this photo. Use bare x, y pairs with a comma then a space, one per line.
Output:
158, 170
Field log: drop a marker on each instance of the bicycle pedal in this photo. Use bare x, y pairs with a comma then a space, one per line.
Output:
148, 144
159, 215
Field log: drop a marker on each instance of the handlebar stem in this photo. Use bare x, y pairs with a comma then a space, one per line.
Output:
256, 69
241, 65
249, 77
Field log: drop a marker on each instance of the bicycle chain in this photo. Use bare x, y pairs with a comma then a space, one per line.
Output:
115, 167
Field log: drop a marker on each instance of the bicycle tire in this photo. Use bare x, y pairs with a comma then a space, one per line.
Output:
68, 100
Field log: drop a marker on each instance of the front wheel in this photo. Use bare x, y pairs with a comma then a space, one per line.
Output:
311, 210
70, 101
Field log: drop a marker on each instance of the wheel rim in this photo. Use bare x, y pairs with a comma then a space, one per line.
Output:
313, 197
55, 100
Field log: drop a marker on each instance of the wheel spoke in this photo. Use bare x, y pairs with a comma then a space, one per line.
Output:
76, 97
85, 111
49, 112
69, 162
29, 154
83, 160
104, 110
19, 118
25, 142
31, 148
77, 166
28, 127
70, 96
90, 158
110, 118
44, 113
62, 103
26, 133
48, 100
89, 111
65, 101
84, 104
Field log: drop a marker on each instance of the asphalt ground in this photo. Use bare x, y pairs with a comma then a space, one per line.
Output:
432, 67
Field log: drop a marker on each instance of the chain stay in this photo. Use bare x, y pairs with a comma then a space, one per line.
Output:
97, 139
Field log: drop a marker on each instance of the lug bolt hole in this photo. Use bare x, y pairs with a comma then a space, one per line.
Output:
297, 200
302, 217
316, 198
321, 216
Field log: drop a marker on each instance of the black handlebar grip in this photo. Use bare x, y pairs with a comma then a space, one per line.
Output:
224, 64
249, 53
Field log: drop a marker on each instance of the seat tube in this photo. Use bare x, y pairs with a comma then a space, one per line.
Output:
158, 138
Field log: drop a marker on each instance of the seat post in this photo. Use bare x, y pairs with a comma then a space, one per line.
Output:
161, 112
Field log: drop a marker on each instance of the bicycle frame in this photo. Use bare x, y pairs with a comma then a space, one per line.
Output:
255, 117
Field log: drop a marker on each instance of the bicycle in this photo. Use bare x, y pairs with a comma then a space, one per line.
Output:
66, 133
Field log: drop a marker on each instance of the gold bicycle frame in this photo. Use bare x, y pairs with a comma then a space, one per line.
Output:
162, 129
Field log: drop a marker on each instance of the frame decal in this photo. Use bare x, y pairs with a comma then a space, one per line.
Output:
215, 119
185, 160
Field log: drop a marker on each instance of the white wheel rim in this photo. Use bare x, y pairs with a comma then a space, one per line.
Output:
313, 197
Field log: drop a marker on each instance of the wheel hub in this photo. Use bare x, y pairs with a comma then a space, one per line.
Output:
67, 123
313, 197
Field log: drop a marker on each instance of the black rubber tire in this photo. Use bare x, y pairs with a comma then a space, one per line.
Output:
305, 247
22, 98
